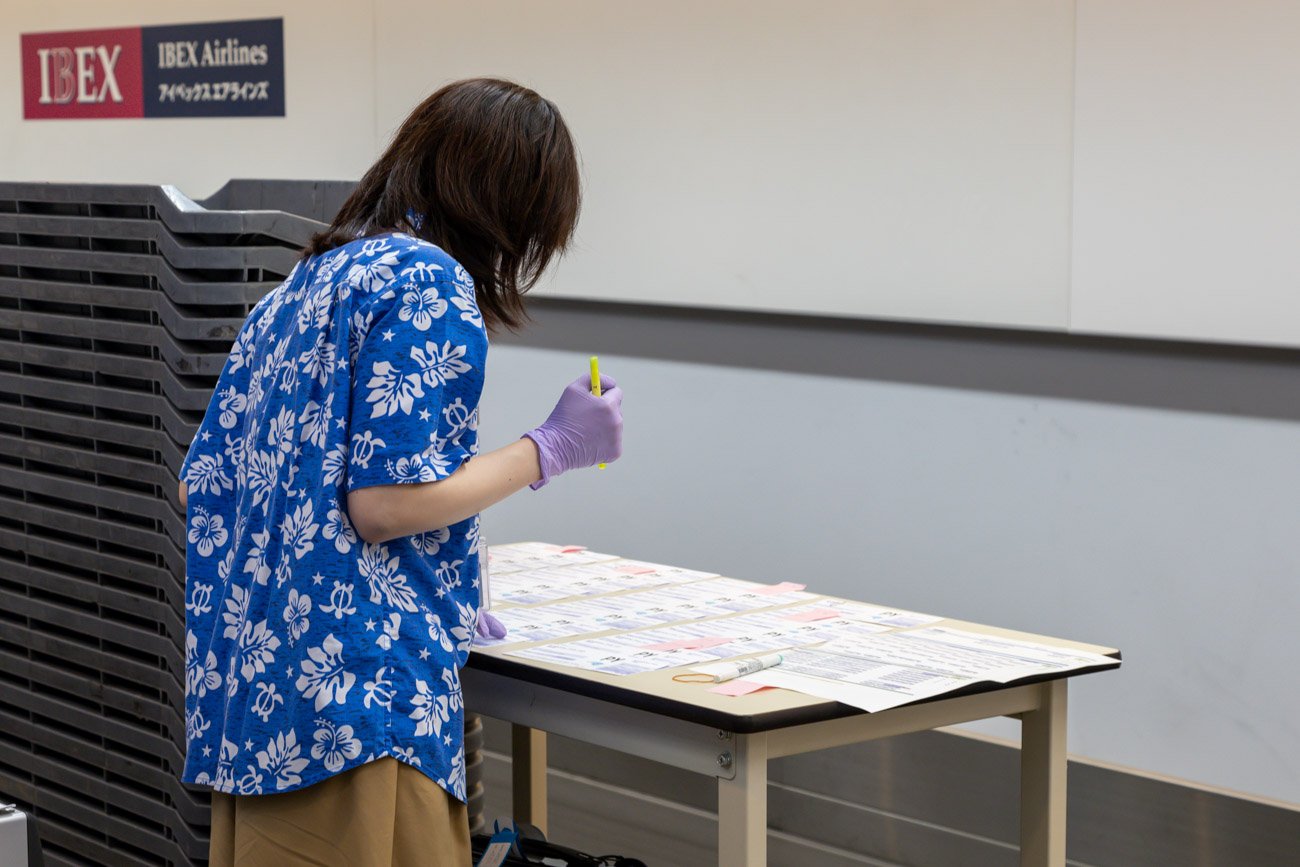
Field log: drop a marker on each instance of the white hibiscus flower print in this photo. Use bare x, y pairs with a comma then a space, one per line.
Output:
296, 615
439, 364
299, 529
281, 759
430, 541
231, 405
255, 390
411, 469
336, 461
261, 478
335, 745
257, 646
357, 334
420, 306
236, 611
464, 282
315, 420
339, 529
241, 351
435, 454
207, 475
375, 275
392, 628
318, 361
283, 572
200, 676
280, 435
387, 585
455, 781
436, 632
256, 559
429, 711
469, 311
464, 632
451, 680
207, 531
325, 677
391, 391
223, 570
266, 700
330, 266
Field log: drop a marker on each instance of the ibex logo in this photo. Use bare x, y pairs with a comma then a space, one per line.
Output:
211, 69
88, 73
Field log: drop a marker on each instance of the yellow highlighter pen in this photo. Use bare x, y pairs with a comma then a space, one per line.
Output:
595, 384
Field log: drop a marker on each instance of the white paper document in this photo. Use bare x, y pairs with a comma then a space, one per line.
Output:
876, 672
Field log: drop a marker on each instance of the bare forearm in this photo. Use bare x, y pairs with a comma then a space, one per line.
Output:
384, 512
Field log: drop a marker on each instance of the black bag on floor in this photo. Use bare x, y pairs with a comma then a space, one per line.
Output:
523, 845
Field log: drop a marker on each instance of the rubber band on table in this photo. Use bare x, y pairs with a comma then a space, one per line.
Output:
694, 677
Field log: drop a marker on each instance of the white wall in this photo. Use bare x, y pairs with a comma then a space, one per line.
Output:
852, 157
1001, 163
1186, 170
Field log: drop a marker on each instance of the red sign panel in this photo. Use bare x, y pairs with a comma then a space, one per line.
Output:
82, 74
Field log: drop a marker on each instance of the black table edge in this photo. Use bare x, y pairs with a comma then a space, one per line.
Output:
737, 723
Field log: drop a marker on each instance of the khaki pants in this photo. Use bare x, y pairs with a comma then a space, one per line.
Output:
382, 814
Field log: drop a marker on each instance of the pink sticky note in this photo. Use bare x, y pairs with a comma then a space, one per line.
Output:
634, 570
783, 587
737, 687
813, 614
572, 549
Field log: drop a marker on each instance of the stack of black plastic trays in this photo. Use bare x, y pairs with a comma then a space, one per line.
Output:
118, 306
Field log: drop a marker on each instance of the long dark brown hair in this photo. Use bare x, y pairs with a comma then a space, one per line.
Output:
489, 168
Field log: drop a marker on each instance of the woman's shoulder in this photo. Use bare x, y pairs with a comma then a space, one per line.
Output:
378, 262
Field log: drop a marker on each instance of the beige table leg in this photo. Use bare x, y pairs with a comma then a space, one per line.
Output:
742, 805
528, 775
1042, 780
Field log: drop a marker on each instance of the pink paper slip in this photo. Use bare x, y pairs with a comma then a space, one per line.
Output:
634, 570
572, 549
688, 644
737, 687
813, 614
783, 587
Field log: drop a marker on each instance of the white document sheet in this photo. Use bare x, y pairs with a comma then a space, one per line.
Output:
876, 672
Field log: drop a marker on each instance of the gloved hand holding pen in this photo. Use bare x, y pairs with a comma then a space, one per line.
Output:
583, 430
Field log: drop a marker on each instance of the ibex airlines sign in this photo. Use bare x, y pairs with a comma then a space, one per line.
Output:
220, 69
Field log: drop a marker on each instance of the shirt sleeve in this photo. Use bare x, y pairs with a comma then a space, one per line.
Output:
416, 383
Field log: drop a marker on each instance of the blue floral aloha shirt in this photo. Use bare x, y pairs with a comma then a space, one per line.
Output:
308, 651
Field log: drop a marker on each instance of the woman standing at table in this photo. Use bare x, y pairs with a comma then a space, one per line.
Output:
334, 487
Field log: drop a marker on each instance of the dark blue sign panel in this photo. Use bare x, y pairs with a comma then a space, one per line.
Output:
221, 69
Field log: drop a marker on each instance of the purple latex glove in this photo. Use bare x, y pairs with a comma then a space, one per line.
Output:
583, 430
489, 627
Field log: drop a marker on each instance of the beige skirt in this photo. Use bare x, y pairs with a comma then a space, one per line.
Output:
382, 814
